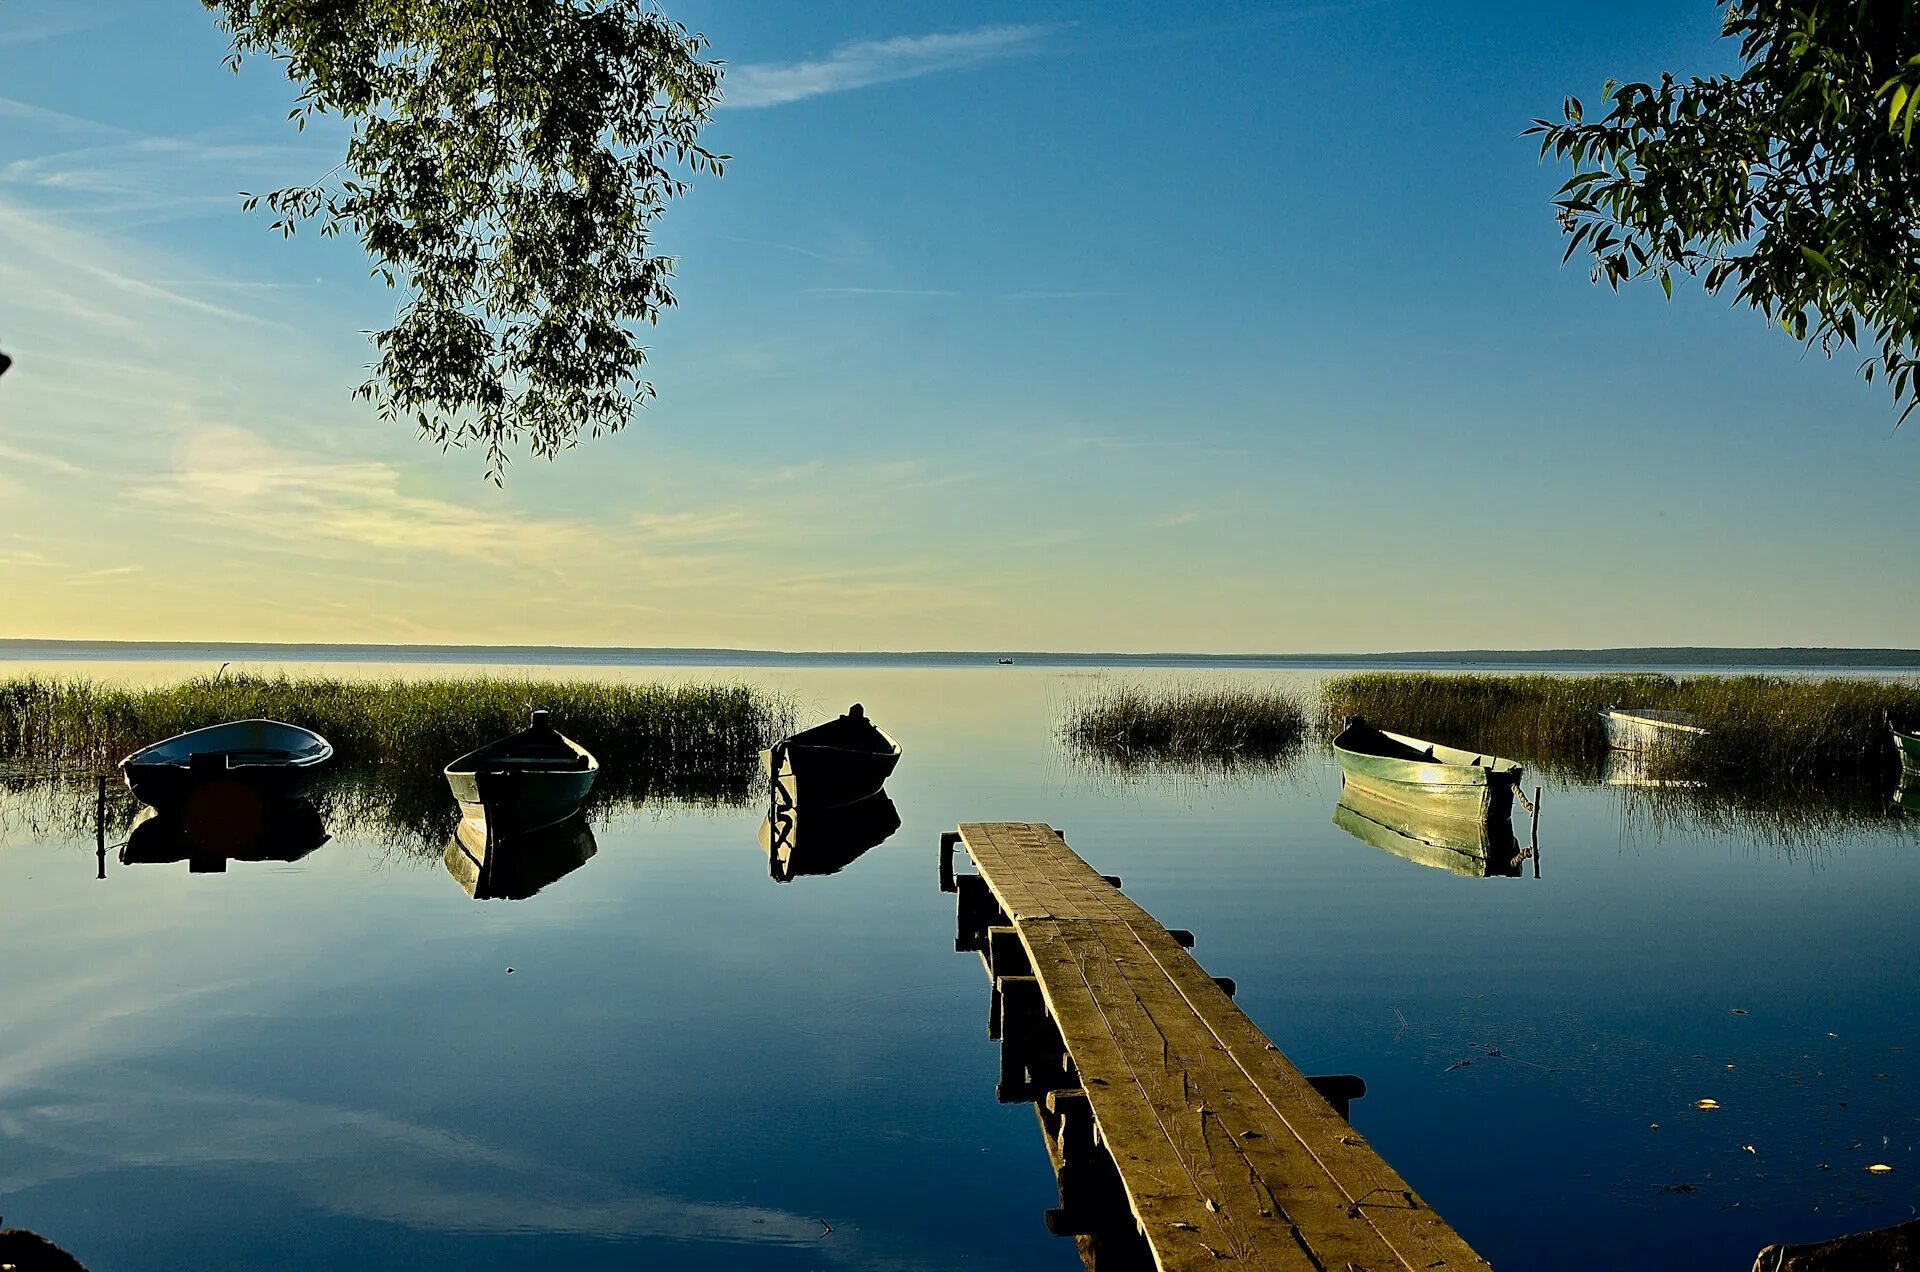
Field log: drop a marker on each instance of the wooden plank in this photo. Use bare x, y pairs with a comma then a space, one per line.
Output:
1226, 1151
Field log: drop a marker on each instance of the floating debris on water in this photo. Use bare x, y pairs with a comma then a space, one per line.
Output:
1879, 1168
1706, 1104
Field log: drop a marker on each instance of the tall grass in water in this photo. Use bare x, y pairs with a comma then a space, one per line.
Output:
1759, 728
1186, 726
683, 741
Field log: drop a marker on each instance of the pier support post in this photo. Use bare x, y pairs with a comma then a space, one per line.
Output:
948, 841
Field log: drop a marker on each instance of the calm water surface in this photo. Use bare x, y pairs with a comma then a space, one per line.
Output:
690, 1065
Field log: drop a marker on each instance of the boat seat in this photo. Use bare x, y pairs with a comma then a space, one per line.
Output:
493, 763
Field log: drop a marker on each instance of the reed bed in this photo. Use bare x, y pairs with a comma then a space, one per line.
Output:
1765, 729
1191, 726
697, 739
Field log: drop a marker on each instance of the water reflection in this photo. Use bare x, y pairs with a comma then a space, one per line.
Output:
1642, 768
1906, 796
823, 841
1476, 849
207, 833
502, 867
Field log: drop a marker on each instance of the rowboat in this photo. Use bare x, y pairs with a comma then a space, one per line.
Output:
843, 760
1481, 850
271, 759
827, 841
536, 777
288, 831
1426, 777
1908, 745
1649, 729
496, 867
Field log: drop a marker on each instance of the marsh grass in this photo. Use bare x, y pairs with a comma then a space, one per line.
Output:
1191, 728
1761, 729
686, 743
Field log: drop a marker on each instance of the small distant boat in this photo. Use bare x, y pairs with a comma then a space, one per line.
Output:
275, 760
495, 867
534, 778
843, 760
1480, 850
1648, 729
1006, 662
286, 830
1908, 745
825, 842
1425, 777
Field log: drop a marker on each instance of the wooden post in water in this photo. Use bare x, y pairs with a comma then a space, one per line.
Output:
1535, 845
100, 824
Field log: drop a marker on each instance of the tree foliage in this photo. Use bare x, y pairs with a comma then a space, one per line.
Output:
506, 162
1793, 181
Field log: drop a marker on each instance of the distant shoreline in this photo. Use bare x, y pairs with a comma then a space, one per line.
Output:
1781, 657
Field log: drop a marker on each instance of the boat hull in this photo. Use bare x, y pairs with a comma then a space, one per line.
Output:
271, 760
821, 777
1908, 745
1444, 782
519, 803
1641, 731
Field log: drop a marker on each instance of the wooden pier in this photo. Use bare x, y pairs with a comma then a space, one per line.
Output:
1182, 1138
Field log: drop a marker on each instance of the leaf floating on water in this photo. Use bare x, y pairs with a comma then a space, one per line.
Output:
1738, 1011
1750, 1149
1879, 1168
1654, 1126
1706, 1104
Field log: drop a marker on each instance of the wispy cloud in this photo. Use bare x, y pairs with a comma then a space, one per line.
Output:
868, 62
1167, 521
40, 459
880, 291
46, 22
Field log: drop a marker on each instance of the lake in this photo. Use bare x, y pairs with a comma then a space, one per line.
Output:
667, 1058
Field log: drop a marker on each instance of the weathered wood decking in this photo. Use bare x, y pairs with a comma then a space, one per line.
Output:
1157, 1094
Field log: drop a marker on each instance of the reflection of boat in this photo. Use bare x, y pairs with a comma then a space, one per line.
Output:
826, 841
1481, 849
1433, 780
1648, 729
213, 827
276, 760
1908, 745
1907, 794
536, 777
1632, 768
501, 867
843, 760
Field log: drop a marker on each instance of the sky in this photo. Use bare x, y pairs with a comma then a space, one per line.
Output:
1236, 327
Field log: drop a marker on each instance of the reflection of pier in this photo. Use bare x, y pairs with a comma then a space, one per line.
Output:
1182, 1138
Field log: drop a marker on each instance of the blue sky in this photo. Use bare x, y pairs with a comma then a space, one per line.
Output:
1123, 326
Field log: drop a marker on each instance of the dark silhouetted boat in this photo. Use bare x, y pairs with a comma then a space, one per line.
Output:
275, 760
496, 867
212, 831
1649, 729
826, 841
536, 777
1476, 849
843, 760
1425, 777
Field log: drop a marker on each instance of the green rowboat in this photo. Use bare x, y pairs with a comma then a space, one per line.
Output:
1425, 777
1908, 745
